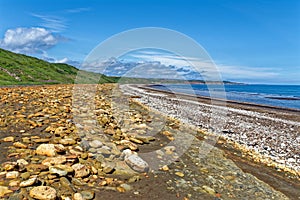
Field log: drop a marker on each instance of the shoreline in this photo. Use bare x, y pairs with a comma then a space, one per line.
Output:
252, 127
102, 143
232, 102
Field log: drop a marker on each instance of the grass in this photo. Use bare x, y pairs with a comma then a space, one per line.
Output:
19, 69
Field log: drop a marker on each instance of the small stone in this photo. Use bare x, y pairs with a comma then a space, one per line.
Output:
209, 190
145, 139
9, 139
126, 187
9, 166
58, 171
22, 162
180, 174
96, 144
36, 167
43, 193
49, 149
108, 167
170, 149
80, 170
20, 145
4, 191
12, 175
165, 168
88, 194
84, 155
78, 196
136, 163
291, 160
67, 141
135, 140
54, 160
65, 183
28, 182
66, 168
14, 183
77, 182
25, 175
41, 140
129, 145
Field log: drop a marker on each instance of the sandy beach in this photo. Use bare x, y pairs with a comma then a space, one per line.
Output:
123, 142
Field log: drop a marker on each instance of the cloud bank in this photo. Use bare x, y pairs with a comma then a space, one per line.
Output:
153, 64
32, 40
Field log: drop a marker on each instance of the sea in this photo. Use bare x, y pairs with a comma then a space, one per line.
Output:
286, 96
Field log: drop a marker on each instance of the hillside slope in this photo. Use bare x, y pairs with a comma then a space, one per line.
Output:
19, 69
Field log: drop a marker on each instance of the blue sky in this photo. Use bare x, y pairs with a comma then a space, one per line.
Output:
250, 41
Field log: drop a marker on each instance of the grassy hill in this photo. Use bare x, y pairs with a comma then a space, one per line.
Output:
19, 69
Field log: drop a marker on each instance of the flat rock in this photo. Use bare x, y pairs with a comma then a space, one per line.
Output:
43, 193
12, 175
4, 191
95, 143
49, 149
28, 182
54, 160
88, 194
78, 196
67, 141
9, 139
136, 163
58, 171
20, 145
80, 170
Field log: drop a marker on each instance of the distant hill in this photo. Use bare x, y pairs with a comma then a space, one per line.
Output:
19, 69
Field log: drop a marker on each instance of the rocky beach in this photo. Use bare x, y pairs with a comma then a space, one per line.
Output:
130, 142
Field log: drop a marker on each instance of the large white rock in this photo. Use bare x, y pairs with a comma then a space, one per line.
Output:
43, 193
49, 149
136, 163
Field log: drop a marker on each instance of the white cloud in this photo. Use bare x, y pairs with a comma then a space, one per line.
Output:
207, 68
29, 40
54, 23
64, 60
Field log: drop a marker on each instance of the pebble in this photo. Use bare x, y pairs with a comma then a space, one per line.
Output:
180, 174
88, 194
96, 144
12, 175
9, 139
25, 175
54, 160
67, 141
21, 162
78, 196
43, 193
58, 171
9, 165
4, 191
49, 149
20, 145
28, 182
137, 163
209, 190
80, 170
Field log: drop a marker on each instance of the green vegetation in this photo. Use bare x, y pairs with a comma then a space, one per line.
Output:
18, 69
